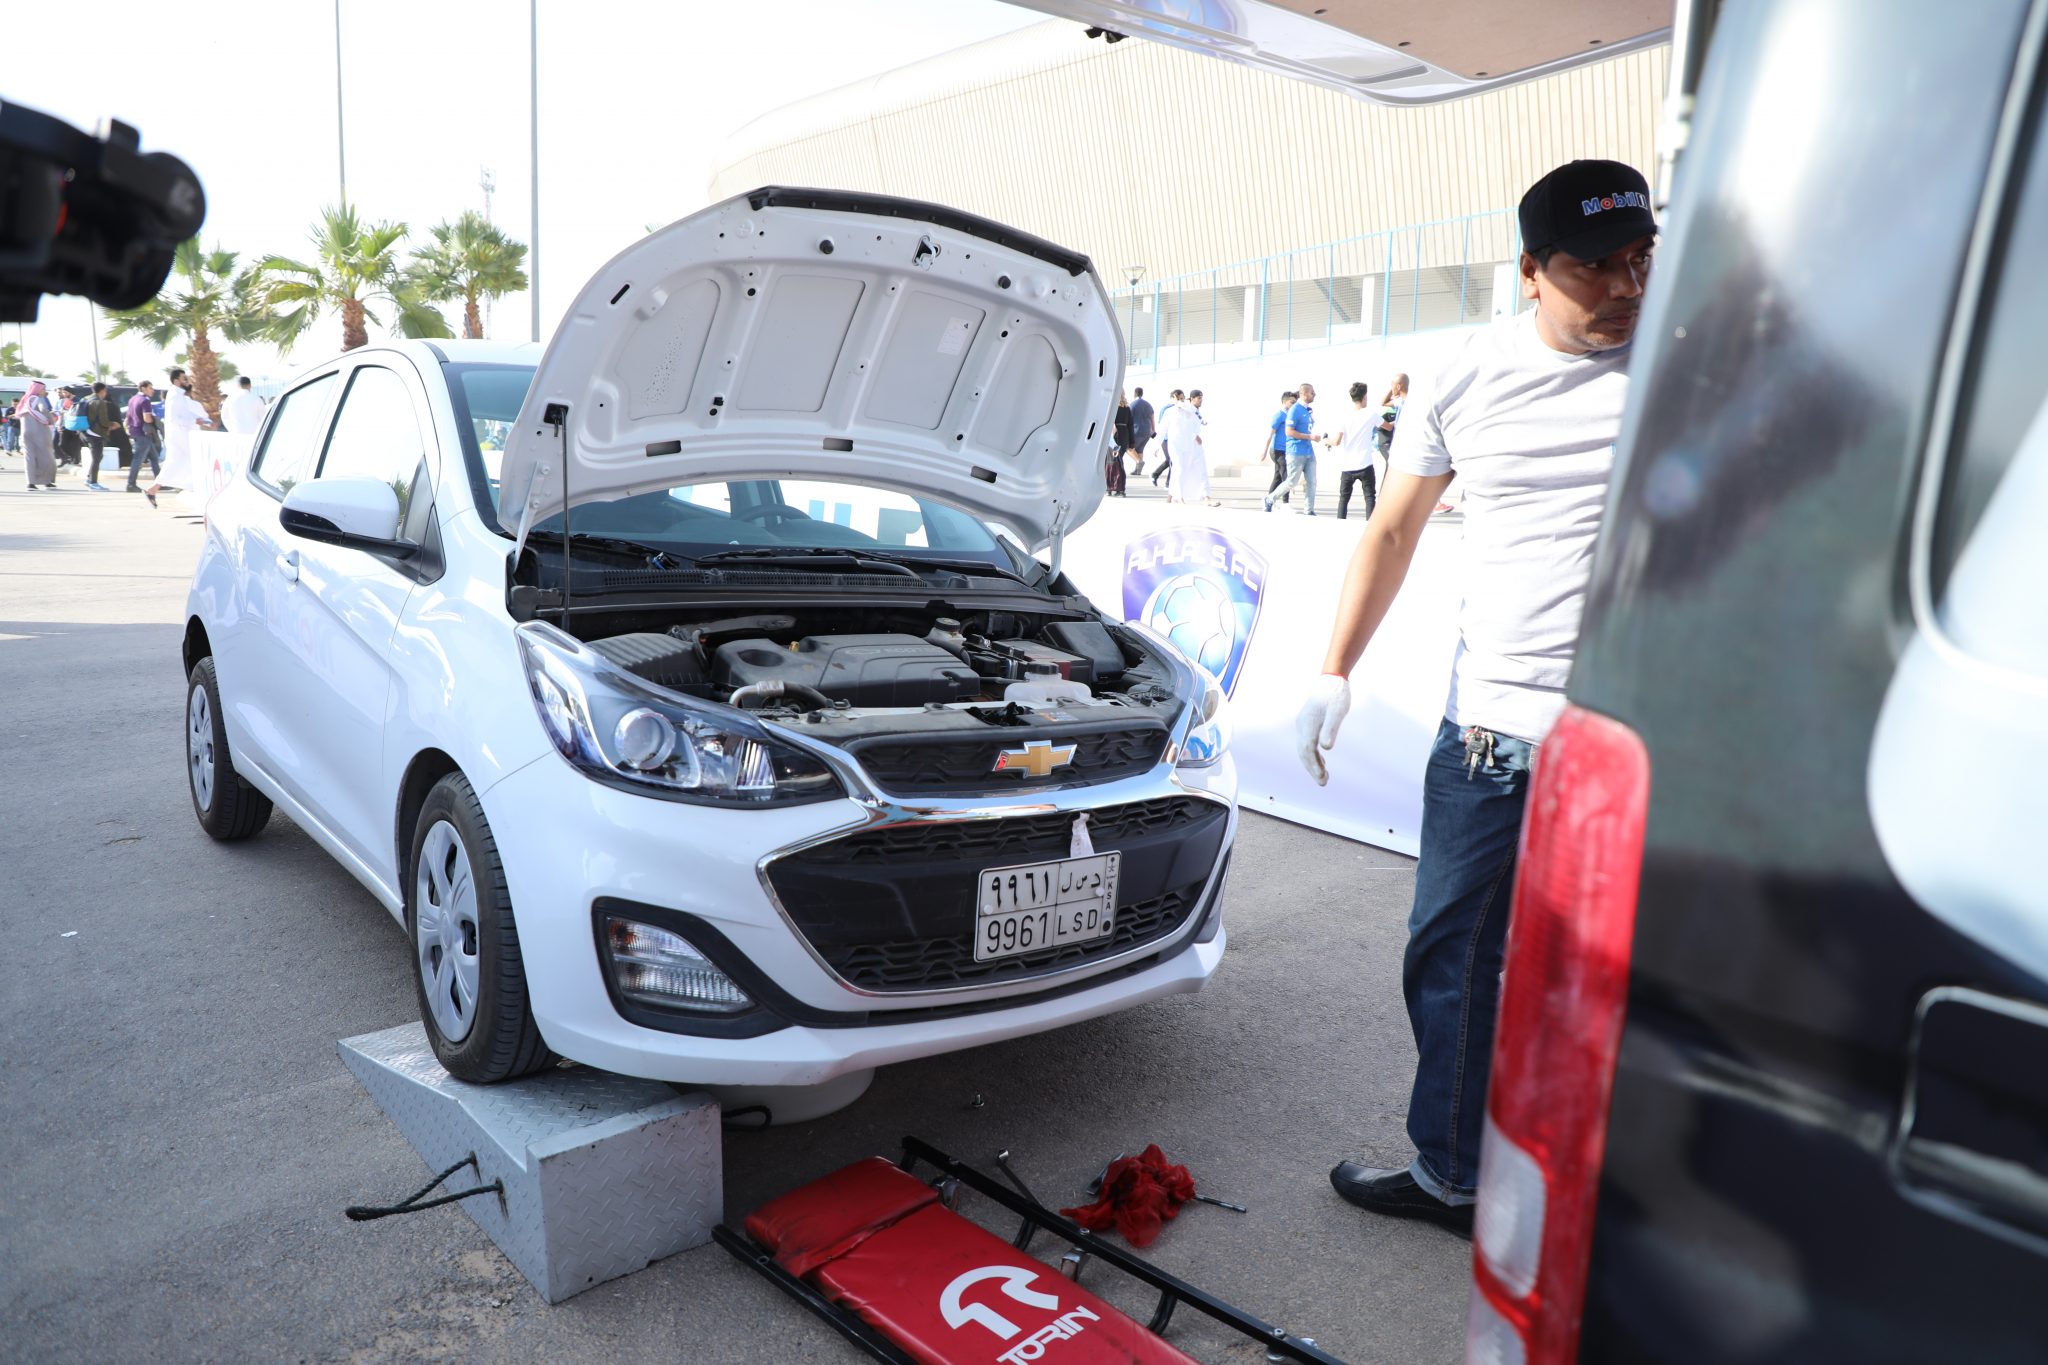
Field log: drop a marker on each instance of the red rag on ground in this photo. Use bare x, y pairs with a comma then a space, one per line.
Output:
1139, 1193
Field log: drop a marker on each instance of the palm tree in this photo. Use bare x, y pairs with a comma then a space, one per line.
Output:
229, 371
471, 260
10, 358
355, 264
203, 298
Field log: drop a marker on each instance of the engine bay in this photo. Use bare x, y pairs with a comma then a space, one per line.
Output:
861, 673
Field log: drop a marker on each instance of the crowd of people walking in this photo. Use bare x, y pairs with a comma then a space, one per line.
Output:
86, 424
1175, 435
1176, 429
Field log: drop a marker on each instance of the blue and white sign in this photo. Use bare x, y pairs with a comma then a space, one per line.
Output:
1202, 590
1206, 577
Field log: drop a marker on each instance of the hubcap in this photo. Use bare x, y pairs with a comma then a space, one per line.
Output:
444, 912
199, 747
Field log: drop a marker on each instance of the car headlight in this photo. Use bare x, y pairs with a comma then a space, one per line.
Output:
1209, 732
625, 732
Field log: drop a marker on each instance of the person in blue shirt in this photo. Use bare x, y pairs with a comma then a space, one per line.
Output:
1301, 448
1277, 452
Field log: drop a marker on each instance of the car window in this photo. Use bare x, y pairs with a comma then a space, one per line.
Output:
821, 508
487, 400
292, 441
2001, 431
796, 514
378, 434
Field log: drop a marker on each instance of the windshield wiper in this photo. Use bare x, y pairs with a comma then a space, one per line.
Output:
808, 557
830, 555
639, 549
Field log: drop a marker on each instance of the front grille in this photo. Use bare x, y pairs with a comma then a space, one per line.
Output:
927, 964
952, 764
893, 909
1020, 836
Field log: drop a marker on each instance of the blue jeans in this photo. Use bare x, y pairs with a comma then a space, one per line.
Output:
1299, 468
146, 448
1457, 933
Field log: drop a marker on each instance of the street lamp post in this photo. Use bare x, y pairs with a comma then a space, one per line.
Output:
533, 107
340, 143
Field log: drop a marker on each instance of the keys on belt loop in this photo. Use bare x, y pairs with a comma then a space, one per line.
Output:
1478, 749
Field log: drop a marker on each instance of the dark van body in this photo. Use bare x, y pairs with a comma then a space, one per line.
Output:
1829, 1132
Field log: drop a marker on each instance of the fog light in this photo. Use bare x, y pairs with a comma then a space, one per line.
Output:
655, 967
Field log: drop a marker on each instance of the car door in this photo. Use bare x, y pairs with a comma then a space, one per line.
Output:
1950, 794
259, 681
348, 602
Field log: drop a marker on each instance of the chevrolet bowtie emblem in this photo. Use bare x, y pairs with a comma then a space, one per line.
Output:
1037, 758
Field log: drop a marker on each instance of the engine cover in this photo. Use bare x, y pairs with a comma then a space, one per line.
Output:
661, 659
864, 670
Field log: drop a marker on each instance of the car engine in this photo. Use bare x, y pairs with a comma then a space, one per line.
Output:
857, 678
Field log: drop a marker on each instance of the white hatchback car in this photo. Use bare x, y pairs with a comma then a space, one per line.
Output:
691, 690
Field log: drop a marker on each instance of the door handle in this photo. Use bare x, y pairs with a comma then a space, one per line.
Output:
1972, 1138
288, 565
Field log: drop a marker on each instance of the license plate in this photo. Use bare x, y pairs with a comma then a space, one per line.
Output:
1044, 905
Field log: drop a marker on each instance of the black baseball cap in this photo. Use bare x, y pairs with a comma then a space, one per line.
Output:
1587, 209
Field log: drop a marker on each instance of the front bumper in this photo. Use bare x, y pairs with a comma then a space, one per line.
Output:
568, 843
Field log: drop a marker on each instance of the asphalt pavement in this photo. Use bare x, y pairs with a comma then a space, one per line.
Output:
179, 1137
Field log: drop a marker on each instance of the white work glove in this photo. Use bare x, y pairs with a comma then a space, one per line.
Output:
1315, 729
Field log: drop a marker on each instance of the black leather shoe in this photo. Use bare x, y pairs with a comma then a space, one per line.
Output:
1395, 1194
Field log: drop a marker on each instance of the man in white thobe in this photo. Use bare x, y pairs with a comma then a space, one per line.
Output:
1182, 427
243, 411
182, 416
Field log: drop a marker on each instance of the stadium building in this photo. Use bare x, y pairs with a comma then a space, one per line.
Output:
1256, 230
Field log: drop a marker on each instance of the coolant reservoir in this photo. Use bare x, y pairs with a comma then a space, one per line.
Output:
1042, 685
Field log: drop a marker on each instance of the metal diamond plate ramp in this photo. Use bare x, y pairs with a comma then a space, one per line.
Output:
603, 1174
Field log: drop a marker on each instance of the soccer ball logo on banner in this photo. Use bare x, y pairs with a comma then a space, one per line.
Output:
1201, 590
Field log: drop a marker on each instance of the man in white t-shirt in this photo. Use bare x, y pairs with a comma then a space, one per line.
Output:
243, 411
1354, 447
1525, 414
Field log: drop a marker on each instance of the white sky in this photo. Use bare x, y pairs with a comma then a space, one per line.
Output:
635, 100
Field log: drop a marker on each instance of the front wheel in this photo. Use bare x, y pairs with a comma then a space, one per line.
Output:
467, 969
228, 808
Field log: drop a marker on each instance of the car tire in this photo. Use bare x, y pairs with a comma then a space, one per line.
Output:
228, 807
467, 969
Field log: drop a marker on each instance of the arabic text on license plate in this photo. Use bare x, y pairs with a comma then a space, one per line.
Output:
1043, 905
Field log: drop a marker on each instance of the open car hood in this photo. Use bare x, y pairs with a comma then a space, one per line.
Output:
818, 333
1388, 51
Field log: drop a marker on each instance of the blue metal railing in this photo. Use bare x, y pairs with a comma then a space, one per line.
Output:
1450, 273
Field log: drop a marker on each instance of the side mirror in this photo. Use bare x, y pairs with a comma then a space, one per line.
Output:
351, 510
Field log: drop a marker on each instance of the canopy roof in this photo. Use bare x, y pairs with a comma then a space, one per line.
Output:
1388, 51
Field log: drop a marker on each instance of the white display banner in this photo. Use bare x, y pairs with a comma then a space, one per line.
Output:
1249, 595
219, 457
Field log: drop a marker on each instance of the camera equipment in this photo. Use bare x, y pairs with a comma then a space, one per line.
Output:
87, 215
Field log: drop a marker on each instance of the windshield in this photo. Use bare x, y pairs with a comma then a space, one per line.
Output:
487, 399
697, 519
